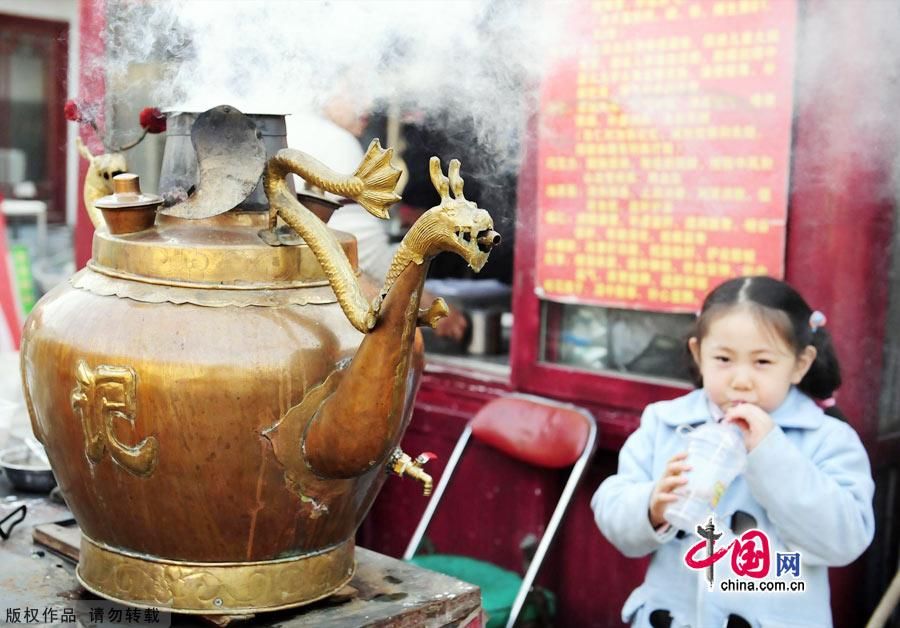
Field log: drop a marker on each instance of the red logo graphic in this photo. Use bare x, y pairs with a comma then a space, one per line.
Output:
749, 554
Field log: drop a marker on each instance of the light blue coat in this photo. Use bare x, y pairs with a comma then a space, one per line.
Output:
808, 484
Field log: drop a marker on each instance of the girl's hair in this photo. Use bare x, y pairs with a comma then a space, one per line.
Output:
782, 308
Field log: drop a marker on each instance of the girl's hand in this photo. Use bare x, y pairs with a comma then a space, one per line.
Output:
664, 492
754, 422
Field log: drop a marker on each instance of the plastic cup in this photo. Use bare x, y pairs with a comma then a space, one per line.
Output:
716, 455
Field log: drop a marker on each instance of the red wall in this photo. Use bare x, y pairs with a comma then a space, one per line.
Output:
91, 89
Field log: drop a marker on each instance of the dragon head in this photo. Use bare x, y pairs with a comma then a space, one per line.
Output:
102, 168
457, 225
109, 165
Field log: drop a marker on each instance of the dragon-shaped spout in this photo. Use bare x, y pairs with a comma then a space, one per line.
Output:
351, 421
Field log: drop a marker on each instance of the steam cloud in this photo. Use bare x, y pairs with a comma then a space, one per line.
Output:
468, 60
847, 57
477, 61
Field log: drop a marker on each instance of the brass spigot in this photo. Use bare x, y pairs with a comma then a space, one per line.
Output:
402, 464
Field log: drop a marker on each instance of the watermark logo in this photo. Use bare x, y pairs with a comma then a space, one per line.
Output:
89, 614
751, 558
788, 562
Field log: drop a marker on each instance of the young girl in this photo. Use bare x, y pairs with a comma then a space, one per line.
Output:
762, 355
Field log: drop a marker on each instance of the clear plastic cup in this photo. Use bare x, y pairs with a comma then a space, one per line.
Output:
716, 455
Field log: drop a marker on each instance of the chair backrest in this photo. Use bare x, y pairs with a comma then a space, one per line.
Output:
538, 431
535, 430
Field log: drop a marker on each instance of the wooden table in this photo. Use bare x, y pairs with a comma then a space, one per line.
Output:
384, 591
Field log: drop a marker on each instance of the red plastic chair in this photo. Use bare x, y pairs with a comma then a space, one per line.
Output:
534, 430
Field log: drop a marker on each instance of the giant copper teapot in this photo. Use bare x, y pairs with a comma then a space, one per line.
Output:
218, 397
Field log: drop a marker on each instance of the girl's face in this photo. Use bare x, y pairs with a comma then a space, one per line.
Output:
743, 360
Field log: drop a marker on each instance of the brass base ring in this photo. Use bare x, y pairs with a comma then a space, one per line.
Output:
213, 588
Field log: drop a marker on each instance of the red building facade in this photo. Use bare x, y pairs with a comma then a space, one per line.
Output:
841, 212
840, 221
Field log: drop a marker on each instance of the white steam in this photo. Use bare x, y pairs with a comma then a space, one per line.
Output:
476, 61
849, 58
473, 61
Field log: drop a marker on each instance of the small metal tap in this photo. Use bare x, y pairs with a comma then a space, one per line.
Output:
402, 464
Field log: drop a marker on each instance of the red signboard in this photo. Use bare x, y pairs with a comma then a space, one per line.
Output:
663, 149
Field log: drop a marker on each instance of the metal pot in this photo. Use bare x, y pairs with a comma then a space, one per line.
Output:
219, 399
25, 471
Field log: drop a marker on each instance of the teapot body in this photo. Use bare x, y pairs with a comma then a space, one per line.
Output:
153, 397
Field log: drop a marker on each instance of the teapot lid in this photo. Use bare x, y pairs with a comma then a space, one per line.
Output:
127, 194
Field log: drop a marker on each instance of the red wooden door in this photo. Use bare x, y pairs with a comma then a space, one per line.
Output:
33, 65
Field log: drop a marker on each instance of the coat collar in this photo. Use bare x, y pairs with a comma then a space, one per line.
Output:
796, 411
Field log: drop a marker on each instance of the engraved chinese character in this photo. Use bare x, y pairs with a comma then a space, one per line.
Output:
101, 396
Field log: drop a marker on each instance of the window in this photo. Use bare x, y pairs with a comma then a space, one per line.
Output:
633, 342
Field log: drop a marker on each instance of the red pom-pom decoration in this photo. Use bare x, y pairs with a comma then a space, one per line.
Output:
152, 120
70, 109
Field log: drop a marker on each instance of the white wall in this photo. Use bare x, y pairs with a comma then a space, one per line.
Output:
61, 11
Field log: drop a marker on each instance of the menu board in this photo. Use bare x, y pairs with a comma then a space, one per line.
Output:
663, 148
